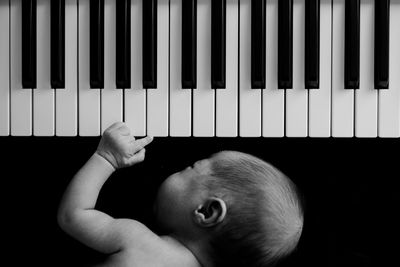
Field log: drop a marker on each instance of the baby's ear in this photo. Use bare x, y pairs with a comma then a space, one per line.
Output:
210, 213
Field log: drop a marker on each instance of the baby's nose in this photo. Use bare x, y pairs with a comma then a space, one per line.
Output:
187, 168
199, 164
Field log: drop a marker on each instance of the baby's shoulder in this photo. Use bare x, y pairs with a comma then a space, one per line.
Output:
144, 248
160, 253
177, 254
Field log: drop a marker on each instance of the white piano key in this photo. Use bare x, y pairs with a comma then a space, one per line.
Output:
4, 68
297, 98
157, 99
43, 95
89, 99
21, 99
273, 98
227, 99
249, 99
366, 98
66, 99
180, 99
204, 95
389, 100
135, 98
342, 99
111, 97
320, 99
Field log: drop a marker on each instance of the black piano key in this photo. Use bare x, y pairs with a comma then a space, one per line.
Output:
57, 44
189, 44
352, 45
285, 44
312, 44
29, 44
258, 40
382, 11
150, 44
218, 44
97, 43
123, 45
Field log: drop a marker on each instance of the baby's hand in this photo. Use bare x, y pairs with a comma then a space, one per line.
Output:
120, 148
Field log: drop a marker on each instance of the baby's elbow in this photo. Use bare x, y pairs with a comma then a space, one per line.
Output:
62, 218
65, 219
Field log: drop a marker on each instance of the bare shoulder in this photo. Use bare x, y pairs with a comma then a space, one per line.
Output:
177, 254
134, 230
142, 247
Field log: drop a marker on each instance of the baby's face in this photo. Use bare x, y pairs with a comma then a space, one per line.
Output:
180, 194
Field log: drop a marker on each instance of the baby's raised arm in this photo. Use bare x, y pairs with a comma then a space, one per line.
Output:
77, 215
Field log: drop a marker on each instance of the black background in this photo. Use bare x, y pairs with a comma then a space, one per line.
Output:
349, 185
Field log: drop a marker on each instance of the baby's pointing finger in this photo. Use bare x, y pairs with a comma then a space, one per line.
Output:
141, 143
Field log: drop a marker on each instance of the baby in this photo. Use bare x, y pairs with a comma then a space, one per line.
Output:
231, 209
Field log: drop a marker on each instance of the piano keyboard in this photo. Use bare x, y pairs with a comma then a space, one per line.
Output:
295, 68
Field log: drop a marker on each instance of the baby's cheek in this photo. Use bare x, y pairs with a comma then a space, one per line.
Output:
172, 192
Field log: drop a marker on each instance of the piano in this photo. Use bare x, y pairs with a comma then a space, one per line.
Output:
312, 86
224, 68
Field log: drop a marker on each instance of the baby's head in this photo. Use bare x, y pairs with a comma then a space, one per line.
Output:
245, 210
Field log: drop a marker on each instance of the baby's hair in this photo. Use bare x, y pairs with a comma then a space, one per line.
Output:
264, 211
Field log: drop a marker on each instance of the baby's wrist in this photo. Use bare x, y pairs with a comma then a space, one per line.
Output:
105, 160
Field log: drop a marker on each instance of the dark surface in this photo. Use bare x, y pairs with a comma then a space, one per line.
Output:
349, 186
